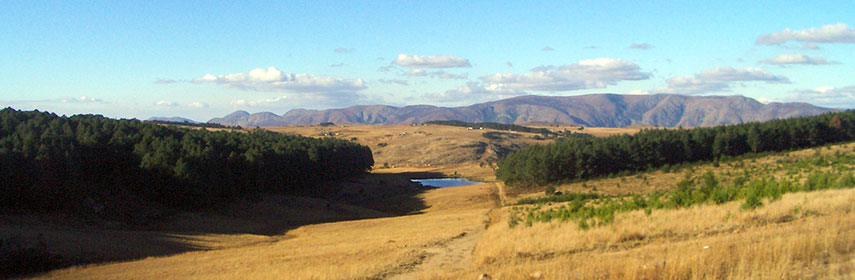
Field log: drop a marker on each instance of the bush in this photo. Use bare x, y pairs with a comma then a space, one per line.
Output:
550, 190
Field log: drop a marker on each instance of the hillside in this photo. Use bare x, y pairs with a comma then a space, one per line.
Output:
599, 110
171, 119
448, 148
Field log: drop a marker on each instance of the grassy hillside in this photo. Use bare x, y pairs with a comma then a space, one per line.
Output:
807, 233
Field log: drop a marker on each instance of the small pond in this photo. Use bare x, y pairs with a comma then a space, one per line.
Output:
444, 182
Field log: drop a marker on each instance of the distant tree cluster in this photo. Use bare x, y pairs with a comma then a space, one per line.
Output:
584, 158
54, 163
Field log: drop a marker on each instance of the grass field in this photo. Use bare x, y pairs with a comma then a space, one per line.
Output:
395, 231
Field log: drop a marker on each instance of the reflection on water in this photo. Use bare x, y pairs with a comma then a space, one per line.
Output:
445, 182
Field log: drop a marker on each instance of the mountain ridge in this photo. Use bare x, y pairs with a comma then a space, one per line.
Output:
600, 110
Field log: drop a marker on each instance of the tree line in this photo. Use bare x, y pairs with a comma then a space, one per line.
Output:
585, 158
55, 162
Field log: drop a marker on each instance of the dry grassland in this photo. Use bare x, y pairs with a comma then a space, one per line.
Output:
430, 145
463, 232
362, 249
803, 235
800, 236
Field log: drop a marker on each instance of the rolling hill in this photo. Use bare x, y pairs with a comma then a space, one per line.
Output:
600, 110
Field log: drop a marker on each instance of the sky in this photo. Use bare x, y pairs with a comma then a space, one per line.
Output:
200, 60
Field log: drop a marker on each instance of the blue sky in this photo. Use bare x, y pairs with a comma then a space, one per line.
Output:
138, 59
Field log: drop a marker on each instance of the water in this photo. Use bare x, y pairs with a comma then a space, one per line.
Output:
445, 182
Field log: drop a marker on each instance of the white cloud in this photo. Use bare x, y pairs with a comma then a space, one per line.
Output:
166, 103
430, 61
337, 65
547, 49
259, 102
435, 74
766, 100
828, 96
416, 73
642, 46
80, 99
638, 92
165, 81
473, 92
198, 105
810, 46
585, 74
832, 33
445, 75
718, 80
394, 81
796, 58
274, 80
509, 64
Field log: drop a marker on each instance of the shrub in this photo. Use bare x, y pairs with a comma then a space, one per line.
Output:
550, 190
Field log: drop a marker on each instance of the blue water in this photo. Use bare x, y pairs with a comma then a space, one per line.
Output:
445, 182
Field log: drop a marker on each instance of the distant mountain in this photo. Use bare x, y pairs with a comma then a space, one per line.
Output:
598, 110
172, 119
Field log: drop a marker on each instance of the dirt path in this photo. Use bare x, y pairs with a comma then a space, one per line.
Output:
453, 254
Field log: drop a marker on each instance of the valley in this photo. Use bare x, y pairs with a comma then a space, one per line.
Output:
381, 226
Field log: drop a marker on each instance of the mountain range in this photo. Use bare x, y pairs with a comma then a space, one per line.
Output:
598, 110
172, 119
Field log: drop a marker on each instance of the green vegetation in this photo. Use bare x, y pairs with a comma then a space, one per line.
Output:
559, 198
72, 163
586, 158
825, 172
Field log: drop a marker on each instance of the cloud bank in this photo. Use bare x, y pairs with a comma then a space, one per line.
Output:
430, 61
832, 33
585, 74
274, 80
718, 80
828, 96
796, 58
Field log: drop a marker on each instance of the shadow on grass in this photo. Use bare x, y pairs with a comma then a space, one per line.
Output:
37, 244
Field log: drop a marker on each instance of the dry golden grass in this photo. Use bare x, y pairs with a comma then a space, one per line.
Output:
362, 249
802, 235
428, 145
